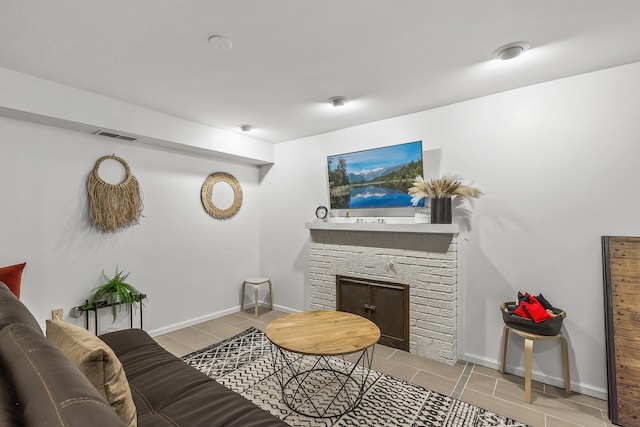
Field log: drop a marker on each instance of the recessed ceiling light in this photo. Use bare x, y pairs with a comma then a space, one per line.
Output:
338, 101
220, 42
246, 128
510, 51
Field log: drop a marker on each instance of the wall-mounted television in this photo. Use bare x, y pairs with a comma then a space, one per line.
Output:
377, 178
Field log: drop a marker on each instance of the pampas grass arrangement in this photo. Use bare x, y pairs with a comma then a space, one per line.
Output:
113, 206
448, 185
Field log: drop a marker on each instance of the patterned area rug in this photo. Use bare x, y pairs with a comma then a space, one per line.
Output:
244, 364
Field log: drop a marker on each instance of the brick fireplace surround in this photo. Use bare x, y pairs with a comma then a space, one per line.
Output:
427, 262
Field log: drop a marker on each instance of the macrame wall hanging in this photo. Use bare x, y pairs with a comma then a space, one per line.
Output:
113, 207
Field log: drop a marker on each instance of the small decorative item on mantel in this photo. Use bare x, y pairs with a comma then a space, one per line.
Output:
441, 190
322, 213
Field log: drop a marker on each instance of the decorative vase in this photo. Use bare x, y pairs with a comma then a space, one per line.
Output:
441, 210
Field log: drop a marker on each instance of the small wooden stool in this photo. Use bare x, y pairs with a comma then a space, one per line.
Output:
529, 338
256, 282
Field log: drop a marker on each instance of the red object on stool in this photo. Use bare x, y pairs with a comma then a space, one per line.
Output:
532, 309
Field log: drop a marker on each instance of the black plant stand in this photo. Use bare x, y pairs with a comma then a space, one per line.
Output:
97, 306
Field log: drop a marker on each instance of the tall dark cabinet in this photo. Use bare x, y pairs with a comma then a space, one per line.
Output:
621, 268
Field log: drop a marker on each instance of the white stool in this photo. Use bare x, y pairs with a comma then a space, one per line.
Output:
529, 338
256, 282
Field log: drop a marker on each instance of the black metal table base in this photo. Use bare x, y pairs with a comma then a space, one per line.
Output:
321, 386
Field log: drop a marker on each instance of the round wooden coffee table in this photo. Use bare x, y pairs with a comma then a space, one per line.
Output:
310, 352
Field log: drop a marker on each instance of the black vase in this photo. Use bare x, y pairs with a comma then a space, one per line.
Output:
441, 210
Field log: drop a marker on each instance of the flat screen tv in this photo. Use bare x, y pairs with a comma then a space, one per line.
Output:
378, 178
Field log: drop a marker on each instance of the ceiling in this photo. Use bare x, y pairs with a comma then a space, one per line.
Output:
390, 57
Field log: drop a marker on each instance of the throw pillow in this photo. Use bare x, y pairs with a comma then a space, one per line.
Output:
12, 276
98, 363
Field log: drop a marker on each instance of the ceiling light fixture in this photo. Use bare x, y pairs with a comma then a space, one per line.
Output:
338, 101
245, 128
510, 51
220, 42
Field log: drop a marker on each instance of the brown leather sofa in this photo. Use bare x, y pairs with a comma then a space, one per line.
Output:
39, 386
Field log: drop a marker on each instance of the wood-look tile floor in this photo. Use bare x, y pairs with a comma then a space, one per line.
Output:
484, 387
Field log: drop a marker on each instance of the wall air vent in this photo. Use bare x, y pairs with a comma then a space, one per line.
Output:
115, 135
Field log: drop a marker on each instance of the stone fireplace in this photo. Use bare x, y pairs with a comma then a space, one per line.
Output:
422, 256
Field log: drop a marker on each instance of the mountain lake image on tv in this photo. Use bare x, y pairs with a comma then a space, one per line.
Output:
375, 178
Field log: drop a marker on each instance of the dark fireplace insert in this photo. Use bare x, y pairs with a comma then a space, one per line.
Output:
384, 303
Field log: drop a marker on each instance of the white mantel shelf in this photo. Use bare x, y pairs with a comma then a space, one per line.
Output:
384, 227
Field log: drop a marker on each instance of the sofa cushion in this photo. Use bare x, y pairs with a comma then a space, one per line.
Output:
169, 392
49, 390
14, 311
9, 415
98, 363
12, 277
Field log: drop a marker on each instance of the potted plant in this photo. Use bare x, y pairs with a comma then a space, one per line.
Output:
114, 292
441, 190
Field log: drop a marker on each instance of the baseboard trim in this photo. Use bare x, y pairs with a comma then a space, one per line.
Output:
211, 316
588, 389
285, 309
191, 322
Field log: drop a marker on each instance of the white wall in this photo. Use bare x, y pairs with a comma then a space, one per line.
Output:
558, 163
189, 264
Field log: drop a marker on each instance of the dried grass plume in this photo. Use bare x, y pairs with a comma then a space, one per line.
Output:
448, 185
113, 206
